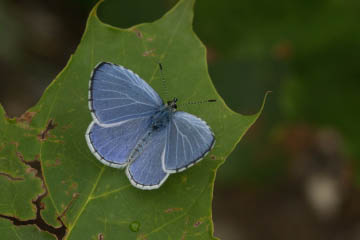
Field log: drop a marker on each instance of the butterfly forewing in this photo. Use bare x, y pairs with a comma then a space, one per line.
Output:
117, 94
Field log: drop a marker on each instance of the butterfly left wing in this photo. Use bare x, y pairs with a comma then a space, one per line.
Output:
113, 145
189, 140
116, 94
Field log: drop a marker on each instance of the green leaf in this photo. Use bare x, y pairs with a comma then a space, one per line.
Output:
51, 184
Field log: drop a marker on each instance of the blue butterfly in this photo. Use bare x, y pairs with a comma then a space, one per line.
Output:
133, 128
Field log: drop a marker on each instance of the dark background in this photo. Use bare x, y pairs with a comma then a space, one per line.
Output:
296, 173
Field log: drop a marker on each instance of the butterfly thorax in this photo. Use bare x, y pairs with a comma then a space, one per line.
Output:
162, 117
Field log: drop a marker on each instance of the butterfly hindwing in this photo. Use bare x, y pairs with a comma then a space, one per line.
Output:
189, 140
112, 145
146, 170
117, 94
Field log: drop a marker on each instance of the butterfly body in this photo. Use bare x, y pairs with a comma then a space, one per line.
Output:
158, 123
133, 128
161, 118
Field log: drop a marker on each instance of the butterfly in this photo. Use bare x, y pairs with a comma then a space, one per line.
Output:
133, 128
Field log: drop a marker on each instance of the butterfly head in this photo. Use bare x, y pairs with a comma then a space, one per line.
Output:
172, 104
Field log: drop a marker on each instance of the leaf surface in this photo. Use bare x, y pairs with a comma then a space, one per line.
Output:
47, 168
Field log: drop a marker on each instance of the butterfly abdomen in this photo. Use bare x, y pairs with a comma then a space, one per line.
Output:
139, 147
158, 123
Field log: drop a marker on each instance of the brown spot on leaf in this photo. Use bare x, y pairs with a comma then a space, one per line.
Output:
142, 237
100, 236
74, 186
55, 163
170, 210
150, 39
45, 134
197, 223
138, 33
213, 157
150, 52
184, 179
66, 127
26, 117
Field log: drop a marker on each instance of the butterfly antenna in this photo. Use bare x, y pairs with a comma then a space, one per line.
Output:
197, 102
163, 82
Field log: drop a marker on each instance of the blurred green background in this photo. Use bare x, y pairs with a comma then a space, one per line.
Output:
296, 173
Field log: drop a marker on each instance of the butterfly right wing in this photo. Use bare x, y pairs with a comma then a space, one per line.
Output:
189, 140
112, 145
116, 94
145, 171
